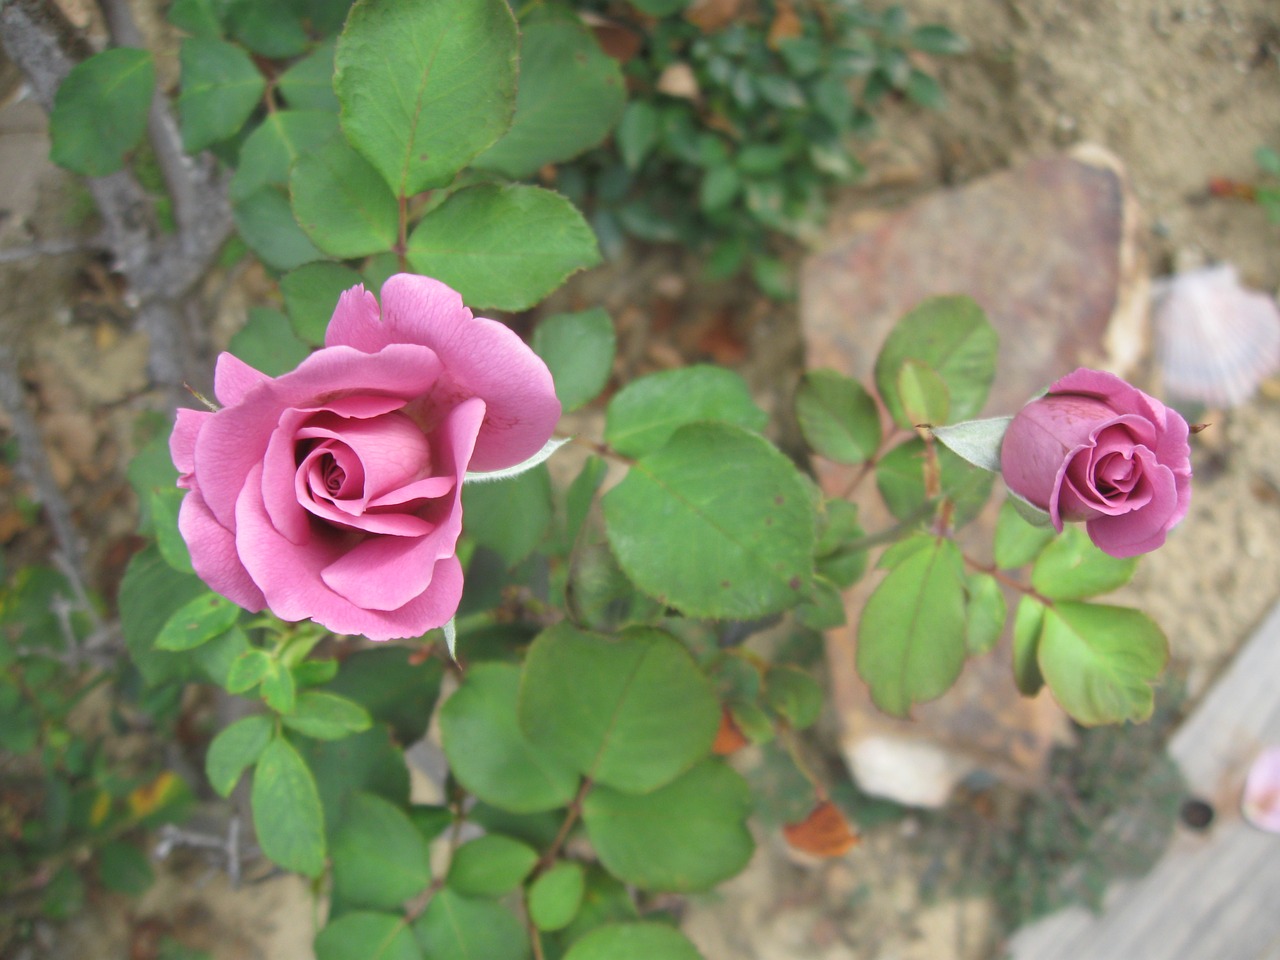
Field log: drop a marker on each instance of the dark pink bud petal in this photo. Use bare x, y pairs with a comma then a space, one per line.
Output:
1097, 450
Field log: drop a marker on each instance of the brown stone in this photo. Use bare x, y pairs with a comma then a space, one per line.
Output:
1049, 250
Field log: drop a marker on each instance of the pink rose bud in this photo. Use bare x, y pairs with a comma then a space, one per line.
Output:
334, 493
1097, 450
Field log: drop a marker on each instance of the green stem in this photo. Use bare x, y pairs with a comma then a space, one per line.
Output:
870, 463
891, 534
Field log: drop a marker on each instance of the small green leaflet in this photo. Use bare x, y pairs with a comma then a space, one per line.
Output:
100, 111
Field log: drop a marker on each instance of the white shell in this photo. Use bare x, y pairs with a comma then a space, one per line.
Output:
1215, 340
1261, 801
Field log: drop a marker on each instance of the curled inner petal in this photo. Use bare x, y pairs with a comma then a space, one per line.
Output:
1104, 474
1148, 512
334, 477
1115, 474
369, 474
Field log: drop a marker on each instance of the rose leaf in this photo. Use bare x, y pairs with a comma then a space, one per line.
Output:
631, 712
287, 816
1072, 568
686, 836
425, 87
1100, 661
505, 247
953, 336
911, 638
717, 523
100, 111
838, 417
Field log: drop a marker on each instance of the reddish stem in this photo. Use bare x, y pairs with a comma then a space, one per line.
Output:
992, 570
575, 811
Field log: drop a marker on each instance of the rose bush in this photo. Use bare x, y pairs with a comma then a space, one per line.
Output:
334, 492
1097, 450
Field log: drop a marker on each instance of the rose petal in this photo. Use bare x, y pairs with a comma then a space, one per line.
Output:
358, 407
436, 305
350, 514
1140, 530
182, 442
482, 358
280, 461
214, 556
236, 438
1080, 498
392, 450
1042, 440
383, 572
290, 578
429, 488
1261, 801
1171, 429
334, 472
398, 524
1118, 394
355, 323
1113, 470
233, 379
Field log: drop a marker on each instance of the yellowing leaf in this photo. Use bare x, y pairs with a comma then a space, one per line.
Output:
150, 797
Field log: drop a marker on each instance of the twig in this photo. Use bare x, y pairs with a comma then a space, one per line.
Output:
33, 465
867, 466
102, 644
62, 609
74, 578
173, 837
571, 817
535, 937
1001, 577
600, 449
54, 248
40, 41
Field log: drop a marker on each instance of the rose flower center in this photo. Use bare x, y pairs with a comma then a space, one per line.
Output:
348, 468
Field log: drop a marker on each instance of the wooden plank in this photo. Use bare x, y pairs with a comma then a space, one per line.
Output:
1213, 894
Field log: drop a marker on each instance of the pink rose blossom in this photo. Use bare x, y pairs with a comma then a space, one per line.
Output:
1097, 450
333, 492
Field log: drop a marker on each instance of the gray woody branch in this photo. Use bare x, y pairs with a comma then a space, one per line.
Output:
160, 269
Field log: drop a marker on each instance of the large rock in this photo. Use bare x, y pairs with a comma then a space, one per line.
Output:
1050, 251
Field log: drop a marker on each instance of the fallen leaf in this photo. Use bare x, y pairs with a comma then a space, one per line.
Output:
729, 738
712, 15
678, 80
786, 25
823, 833
616, 40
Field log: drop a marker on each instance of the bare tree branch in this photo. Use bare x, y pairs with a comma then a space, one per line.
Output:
184, 177
33, 463
160, 269
52, 248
